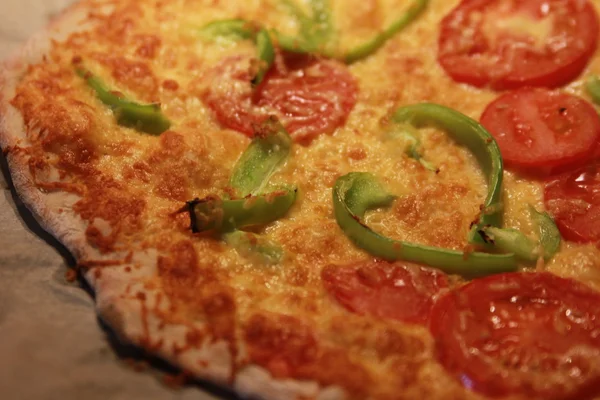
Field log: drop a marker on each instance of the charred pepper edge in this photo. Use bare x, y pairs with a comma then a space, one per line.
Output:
226, 215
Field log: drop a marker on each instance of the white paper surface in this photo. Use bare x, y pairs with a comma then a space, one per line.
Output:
51, 344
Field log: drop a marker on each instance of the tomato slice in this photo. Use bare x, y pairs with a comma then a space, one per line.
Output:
542, 131
573, 198
533, 334
509, 44
310, 96
399, 291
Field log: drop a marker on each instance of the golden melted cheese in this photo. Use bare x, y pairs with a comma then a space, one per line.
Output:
131, 184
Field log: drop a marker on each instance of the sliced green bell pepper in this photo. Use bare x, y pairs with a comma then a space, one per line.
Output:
237, 29
592, 86
357, 192
266, 55
146, 118
316, 31
548, 232
214, 213
234, 29
264, 155
408, 133
251, 245
524, 248
471, 134
370, 46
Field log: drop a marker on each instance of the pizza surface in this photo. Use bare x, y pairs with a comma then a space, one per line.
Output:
220, 202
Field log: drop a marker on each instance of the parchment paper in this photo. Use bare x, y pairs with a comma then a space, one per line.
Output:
51, 344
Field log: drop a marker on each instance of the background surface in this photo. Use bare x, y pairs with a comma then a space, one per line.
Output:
51, 344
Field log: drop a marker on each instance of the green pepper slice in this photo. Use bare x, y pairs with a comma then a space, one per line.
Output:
471, 134
266, 55
267, 151
524, 248
592, 86
251, 245
408, 133
357, 192
235, 29
241, 29
372, 45
316, 30
146, 118
548, 232
214, 213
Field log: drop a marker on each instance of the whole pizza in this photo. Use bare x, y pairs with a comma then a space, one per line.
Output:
327, 199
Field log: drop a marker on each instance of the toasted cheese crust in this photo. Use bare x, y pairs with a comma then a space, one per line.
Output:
199, 302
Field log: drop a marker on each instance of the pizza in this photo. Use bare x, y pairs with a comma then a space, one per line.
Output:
312, 199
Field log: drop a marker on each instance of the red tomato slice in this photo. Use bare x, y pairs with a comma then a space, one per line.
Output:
310, 96
508, 44
533, 334
388, 290
543, 131
574, 200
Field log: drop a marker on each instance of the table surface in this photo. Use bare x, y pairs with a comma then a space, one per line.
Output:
51, 343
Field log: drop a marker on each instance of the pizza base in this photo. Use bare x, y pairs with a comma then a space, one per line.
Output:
127, 317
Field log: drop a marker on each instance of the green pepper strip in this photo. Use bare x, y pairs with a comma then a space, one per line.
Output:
254, 246
269, 148
357, 192
213, 213
241, 29
408, 133
548, 232
514, 241
321, 30
266, 55
235, 29
265, 153
316, 31
371, 46
471, 134
142, 117
511, 240
592, 85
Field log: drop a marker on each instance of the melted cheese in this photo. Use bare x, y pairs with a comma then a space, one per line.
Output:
133, 183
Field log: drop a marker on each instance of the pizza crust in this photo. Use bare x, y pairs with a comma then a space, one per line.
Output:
123, 313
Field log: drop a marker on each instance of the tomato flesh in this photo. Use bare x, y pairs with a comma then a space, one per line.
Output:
542, 131
309, 96
532, 334
399, 291
509, 44
573, 198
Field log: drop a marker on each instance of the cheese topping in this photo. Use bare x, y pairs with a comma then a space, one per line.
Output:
129, 185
